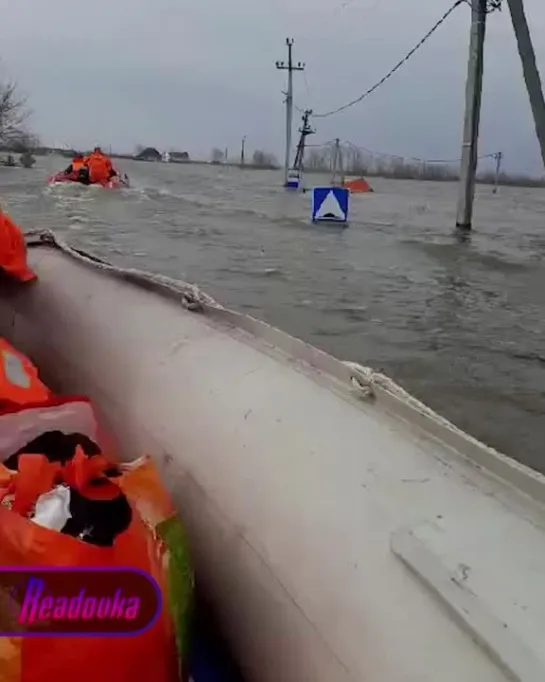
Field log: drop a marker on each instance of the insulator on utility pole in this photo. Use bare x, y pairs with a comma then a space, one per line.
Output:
290, 67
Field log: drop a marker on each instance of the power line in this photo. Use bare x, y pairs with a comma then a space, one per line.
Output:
397, 66
372, 152
322, 144
414, 158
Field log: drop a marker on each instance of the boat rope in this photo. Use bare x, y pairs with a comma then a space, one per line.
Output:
365, 380
190, 295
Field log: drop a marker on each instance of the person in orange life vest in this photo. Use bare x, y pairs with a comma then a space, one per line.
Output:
77, 170
13, 257
78, 162
100, 167
19, 381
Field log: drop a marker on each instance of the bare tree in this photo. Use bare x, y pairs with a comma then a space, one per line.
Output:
13, 112
263, 159
23, 141
356, 162
318, 159
217, 155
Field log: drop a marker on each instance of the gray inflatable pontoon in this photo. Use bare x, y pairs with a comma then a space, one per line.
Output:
341, 528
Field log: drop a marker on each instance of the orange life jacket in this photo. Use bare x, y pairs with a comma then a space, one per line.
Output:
77, 165
19, 380
13, 259
100, 167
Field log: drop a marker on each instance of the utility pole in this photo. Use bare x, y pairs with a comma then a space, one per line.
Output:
337, 165
242, 150
499, 157
305, 131
474, 86
290, 67
529, 68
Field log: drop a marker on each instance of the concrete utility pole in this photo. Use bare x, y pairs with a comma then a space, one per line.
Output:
529, 68
305, 131
474, 88
290, 67
499, 157
337, 165
242, 150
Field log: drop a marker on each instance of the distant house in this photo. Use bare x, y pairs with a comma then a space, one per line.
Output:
179, 157
149, 154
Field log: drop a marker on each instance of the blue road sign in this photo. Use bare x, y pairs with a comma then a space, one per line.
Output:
330, 204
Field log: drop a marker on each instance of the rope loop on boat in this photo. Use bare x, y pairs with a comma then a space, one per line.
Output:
365, 380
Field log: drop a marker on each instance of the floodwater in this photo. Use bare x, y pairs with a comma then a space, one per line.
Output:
459, 323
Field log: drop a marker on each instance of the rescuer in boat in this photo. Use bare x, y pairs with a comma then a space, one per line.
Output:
97, 519
100, 167
13, 260
19, 381
78, 170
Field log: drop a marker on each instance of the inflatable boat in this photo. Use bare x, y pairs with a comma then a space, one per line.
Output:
340, 528
117, 182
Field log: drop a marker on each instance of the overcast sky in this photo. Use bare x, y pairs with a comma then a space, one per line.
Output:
193, 75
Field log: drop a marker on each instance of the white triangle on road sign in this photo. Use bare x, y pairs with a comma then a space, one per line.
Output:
330, 208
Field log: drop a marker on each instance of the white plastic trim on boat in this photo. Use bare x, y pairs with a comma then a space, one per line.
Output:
495, 637
296, 475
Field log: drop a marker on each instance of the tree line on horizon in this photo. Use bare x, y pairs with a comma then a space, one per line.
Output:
358, 163
260, 159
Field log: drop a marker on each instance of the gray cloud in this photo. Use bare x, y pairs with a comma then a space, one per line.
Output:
197, 75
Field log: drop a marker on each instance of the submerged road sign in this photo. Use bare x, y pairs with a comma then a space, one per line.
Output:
330, 204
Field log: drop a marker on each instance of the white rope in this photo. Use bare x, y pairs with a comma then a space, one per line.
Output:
191, 297
365, 379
